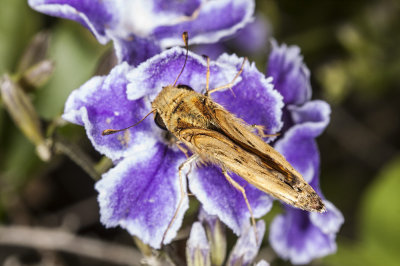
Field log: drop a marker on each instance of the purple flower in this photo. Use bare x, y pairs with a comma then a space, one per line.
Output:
250, 40
143, 28
141, 193
298, 235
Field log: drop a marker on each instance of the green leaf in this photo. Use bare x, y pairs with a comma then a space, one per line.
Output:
379, 233
381, 211
15, 32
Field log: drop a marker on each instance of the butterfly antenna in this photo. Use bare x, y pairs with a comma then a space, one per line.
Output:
112, 131
185, 38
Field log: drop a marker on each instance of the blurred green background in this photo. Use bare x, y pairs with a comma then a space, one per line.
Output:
353, 51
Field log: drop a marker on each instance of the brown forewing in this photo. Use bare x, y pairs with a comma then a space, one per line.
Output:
238, 149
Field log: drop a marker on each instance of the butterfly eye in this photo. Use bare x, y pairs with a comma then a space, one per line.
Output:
159, 122
185, 87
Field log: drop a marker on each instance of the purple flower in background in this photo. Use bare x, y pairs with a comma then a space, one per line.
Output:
250, 40
143, 28
298, 235
141, 193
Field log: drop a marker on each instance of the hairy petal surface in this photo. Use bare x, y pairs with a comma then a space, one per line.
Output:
141, 194
100, 104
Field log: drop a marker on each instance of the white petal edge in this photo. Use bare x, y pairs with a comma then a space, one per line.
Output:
65, 9
212, 37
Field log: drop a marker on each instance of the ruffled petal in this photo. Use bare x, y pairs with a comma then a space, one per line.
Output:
212, 50
101, 104
97, 16
215, 20
206, 21
301, 236
291, 75
141, 194
252, 39
298, 143
330, 221
219, 197
246, 248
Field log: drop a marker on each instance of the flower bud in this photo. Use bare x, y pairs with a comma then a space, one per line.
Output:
24, 114
246, 247
216, 234
197, 247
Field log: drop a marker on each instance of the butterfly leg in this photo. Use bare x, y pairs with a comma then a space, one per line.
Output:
230, 84
208, 75
182, 191
242, 190
260, 131
183, 149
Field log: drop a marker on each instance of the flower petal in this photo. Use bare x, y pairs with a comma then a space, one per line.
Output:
159, 20
142, 193
97, 16
135, 49
301, 236
252, 39
101, 104
291, 75
246, 248
298, 144
330, 221
143, 17
220, 198
216, 19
